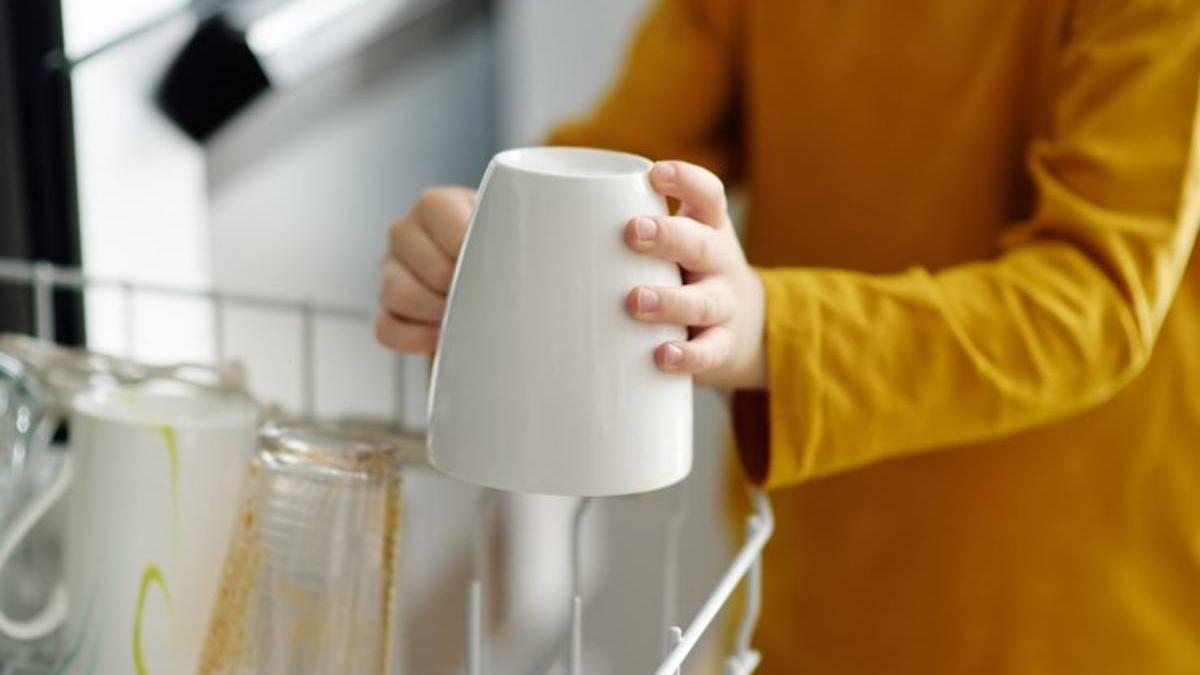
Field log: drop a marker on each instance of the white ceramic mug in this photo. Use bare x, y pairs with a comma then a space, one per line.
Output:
153, 484
542, 381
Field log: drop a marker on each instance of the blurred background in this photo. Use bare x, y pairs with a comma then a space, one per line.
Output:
138, 144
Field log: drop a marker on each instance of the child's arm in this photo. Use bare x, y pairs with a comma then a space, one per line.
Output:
862, 367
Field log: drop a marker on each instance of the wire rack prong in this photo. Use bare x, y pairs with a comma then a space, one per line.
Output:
576, 658
673, 530
475, 628
43, 279
581, 511
746, 558
674, 637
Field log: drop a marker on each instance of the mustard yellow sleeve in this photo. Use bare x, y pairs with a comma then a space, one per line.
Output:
865, 367
674, 96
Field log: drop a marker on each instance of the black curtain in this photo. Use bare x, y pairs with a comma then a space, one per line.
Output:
38, 216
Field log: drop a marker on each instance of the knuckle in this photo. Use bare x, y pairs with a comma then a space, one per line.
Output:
706, 309
396, 301
685, 306
719, 196
702, 250
421, 205
726, 352
442, 276
402, 294
387, 279
721, 352
429, 196
721, 201
396, 233
668, 231
715, 357
429, 200
465, 202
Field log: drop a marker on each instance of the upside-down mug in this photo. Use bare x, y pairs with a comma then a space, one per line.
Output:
542, 382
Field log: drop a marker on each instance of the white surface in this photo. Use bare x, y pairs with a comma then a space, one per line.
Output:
303, 36
543, 383
87, 24
303, 188
558, 57
143, 208
130, 506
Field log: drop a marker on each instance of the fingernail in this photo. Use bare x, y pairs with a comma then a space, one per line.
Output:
647, 301
664, 171
672, 355
646, 228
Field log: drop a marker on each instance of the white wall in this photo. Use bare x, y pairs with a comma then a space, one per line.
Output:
142, 203
557, 57
87, 24
304, 186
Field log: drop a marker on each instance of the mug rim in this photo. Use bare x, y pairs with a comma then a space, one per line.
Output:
217, 411
573, 162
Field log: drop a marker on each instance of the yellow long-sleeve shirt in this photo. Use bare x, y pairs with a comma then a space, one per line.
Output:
973, 222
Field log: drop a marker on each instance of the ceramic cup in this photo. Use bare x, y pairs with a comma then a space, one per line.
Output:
542, 382
151, 484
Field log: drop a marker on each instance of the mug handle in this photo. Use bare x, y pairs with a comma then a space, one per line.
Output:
54, 614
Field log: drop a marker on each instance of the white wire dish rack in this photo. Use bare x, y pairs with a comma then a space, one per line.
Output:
43, 279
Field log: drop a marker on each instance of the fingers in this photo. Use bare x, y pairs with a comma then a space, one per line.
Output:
401, 294
705, 303
705, 351
443, 213
417, 271
698, 189
695, 247
404, 336
413, 248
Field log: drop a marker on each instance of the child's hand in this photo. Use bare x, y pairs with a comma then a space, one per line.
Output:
721, 301
415, 276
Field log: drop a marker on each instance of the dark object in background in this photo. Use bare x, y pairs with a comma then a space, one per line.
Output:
214, 77
38, 208
244, 49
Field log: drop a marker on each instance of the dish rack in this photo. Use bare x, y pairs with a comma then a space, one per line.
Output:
42, 279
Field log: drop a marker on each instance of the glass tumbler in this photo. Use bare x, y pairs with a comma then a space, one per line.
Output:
307, 587
29, 551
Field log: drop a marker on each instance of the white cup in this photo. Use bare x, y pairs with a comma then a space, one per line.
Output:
153, 485
542, 382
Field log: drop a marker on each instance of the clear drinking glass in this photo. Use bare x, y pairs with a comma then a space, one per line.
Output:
30, 572
308, 583
21, 407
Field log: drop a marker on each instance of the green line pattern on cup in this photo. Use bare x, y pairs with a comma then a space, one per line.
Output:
168, 434
150, 575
